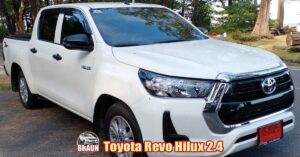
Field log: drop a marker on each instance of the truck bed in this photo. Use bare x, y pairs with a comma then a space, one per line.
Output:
23, 37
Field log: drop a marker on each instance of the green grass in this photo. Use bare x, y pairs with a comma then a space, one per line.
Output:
4, 82
289, 57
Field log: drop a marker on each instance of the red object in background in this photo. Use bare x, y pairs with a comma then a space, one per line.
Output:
270, 133
213, 34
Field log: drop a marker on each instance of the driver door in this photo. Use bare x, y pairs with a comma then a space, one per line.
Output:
74, 73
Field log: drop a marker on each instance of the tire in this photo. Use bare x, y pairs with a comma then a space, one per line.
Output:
28, 99
122, 112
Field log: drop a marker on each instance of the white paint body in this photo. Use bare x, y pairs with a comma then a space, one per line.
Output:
114, 71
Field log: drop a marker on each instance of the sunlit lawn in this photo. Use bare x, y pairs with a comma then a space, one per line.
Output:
4, 81
288, 56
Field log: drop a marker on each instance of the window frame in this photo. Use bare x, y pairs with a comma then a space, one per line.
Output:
86, 27
51, 10
59, 23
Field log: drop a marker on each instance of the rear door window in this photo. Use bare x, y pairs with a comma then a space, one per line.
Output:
47, 25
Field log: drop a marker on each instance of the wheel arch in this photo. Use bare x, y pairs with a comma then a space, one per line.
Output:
15, 70
103, 103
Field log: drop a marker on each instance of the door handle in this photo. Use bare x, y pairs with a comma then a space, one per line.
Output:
86, 67
33, 50
57, 57
5, 45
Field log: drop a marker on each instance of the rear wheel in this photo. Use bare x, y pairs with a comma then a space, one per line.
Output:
28, 99
121, 126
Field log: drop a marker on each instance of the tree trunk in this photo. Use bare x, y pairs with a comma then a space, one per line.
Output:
183, 8
195, 6
280, 13
55, 2
230, 2
223, 4
165, 3
35, 7
255, 2
262, 23
8, 19
19, 10
46, 2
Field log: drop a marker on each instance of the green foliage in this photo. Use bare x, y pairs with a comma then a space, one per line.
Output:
247, 37
244, 37
273, 23
203, 15
173, 4
3, 32
219, 29
4, 83
238, 17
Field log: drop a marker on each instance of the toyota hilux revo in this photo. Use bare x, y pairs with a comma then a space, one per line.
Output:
143, 72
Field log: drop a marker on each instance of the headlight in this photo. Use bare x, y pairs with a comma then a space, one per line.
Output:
166, 86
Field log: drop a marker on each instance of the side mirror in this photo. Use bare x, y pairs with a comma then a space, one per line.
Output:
203, 30
78, 42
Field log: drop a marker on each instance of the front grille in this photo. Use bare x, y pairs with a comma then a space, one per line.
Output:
250, 89
238, 105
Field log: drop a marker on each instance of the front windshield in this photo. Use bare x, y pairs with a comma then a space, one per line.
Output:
130, 26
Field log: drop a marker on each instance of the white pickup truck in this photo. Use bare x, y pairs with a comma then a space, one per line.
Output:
142, 72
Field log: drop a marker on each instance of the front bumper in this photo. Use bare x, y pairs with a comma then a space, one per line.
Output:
188, 120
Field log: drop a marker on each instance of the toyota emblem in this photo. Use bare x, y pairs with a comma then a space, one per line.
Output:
268, 85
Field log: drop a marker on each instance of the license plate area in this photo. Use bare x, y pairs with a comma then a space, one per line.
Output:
270, 133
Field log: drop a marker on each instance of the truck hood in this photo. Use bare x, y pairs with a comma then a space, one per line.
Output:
197, 59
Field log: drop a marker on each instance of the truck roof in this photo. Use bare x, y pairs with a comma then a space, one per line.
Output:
95, 5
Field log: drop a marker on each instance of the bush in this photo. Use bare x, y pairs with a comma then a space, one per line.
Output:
3, 32
238, 17
203, 14
244, 37
273, 23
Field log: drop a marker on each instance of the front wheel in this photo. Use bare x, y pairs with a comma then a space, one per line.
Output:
28, 99
121, 126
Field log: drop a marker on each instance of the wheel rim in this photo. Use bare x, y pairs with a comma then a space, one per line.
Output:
23, 90
120, 131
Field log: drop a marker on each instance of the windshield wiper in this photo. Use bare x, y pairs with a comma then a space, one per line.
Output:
167, 41
126, 45
170, 41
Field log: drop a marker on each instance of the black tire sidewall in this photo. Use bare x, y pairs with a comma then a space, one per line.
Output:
120, 109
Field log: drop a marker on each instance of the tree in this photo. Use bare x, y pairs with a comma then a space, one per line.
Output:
201, 13
261, 27
280, 13
18, 6
8, 19
255, 2
183, 7
35, 7
165, 3
240, 17
195, 9
223, 3
230, 2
